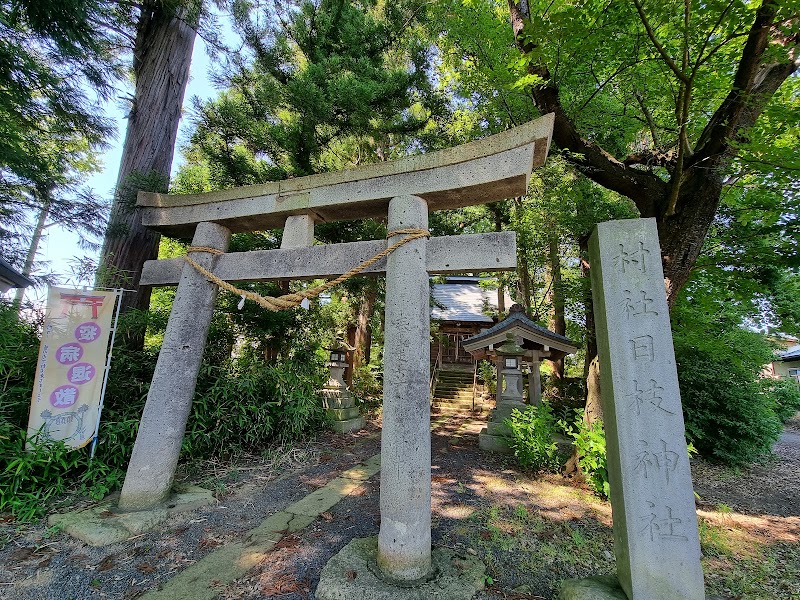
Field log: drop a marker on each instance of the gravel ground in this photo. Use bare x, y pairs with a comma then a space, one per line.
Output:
475, 496
38, 566
769, 488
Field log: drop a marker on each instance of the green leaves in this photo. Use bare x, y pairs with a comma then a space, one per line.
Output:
590, 445
531, 437
246, 405
325, 73
730, 411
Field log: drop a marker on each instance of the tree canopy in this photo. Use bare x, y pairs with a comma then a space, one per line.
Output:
57, 61
664, 102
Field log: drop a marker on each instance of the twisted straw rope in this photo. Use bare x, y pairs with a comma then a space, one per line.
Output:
291, 300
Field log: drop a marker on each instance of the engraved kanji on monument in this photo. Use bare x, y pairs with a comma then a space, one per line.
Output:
656, 539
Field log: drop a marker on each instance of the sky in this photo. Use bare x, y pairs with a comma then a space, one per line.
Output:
60, 246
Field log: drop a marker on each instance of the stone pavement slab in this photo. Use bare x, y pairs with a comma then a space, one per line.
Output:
102, 525
206, 578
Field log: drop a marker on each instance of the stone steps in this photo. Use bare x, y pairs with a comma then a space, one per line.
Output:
453, 393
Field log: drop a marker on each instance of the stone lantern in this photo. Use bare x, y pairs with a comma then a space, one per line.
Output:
339, 403
509, 354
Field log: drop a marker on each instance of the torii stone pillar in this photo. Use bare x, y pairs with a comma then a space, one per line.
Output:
486, 170
169, 400
404, 542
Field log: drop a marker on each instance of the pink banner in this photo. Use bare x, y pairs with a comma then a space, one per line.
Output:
71, 367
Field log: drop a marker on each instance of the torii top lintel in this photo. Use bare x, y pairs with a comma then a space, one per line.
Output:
482, 171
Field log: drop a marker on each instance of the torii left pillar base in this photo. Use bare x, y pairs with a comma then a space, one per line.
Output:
151, 470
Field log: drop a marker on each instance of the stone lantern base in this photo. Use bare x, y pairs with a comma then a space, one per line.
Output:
492, 438
341, 407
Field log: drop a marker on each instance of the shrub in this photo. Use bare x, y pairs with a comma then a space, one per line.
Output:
786, 395
729, 413
367, 386
246, 404
564, 395
487, 374
590, 444
240, 405
531, 437
19, 349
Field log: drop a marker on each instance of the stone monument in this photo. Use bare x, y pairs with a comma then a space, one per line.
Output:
656, 540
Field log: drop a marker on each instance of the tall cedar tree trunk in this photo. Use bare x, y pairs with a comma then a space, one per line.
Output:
162, 56
363, 336
684, 207
523, 272
557, 322
591, 367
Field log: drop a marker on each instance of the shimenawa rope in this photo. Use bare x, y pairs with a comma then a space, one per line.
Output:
294, 299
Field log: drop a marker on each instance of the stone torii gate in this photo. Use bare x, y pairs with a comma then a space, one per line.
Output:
405, 190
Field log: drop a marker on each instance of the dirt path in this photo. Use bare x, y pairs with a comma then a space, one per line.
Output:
530, 532
770, 488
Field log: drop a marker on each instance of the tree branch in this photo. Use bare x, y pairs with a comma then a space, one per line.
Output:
753, 84
661, 50
646, 189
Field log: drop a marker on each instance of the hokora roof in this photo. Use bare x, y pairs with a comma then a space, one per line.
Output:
526, 327
11, 278
463, 299
792, 353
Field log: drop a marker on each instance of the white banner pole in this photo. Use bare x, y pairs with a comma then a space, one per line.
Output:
107, 370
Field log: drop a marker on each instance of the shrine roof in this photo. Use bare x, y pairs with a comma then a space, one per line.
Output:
792, 353
462, 299
517, 320
11, 278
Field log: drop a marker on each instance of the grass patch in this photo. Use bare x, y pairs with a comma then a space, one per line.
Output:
772, 572
534, 547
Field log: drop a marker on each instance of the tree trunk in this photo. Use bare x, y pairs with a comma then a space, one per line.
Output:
681, 235
363, 337
557, 322
593, 408
351, 339
162, 56
34, 247
523, 272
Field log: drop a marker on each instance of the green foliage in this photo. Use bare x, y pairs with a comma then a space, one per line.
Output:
531, 437
323, 88
367, 386
57, 57
240, 405
590, 444
246, 404
32, 477
487, 374
729, 412
19, 349
786, 395
29, 479
564, 395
